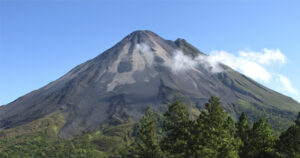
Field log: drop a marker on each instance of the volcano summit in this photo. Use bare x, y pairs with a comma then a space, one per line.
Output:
143, 70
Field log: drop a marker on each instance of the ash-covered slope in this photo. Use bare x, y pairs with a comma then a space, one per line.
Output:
143, 70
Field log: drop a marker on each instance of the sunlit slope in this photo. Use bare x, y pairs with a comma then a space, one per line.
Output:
139, 71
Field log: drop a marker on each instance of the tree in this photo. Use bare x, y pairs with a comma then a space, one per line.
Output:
288, 144
297, 122
215, 132
128, 151
243, 131
146, 141
262, 140
176, 128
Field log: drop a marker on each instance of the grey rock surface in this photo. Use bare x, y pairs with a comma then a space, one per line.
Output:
120, 83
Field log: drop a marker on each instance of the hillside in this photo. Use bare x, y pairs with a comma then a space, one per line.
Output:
142, 70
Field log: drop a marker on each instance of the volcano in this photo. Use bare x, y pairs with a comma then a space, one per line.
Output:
143, 70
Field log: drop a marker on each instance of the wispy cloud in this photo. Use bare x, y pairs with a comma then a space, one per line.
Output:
266, 57
241, 63
182, 62
288, 85
146, 50
257, 65
254, 64
210, 63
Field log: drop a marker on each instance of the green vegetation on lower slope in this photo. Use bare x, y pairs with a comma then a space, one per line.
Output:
49, 125
279, 122
251, 91
39, 139
258, 101
253, 98
212, 135
41, 145
174, 134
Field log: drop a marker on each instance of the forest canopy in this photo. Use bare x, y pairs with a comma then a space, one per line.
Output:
174, 134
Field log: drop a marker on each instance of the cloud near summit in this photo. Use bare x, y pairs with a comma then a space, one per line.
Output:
252, 64
261, 66
183, 62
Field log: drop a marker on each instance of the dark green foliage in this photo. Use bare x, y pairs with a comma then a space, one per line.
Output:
127, 151
262, 141
103, 143
172, 135
146, 145
243, 128
41, 146
258, 101
214, 132
288, 144
176, 128
298, 120
243, 132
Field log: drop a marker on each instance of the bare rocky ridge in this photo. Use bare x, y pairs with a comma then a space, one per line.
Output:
137, 72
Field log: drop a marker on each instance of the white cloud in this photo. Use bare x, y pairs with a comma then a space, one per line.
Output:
241, 63
259, 66
146, 51
287, 85
249, 63
266, 57
182, 62
210, 63
144, 48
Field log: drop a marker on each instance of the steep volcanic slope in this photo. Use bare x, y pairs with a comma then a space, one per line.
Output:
144, 70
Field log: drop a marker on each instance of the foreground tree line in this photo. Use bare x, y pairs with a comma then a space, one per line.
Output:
213, 134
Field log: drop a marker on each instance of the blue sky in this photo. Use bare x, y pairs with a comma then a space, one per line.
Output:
42, 40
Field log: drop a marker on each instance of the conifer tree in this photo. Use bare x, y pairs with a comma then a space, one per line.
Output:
262, 140
297, 122
176, 128
288, 144
146, 145
243, 131
215, 133
243, 127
